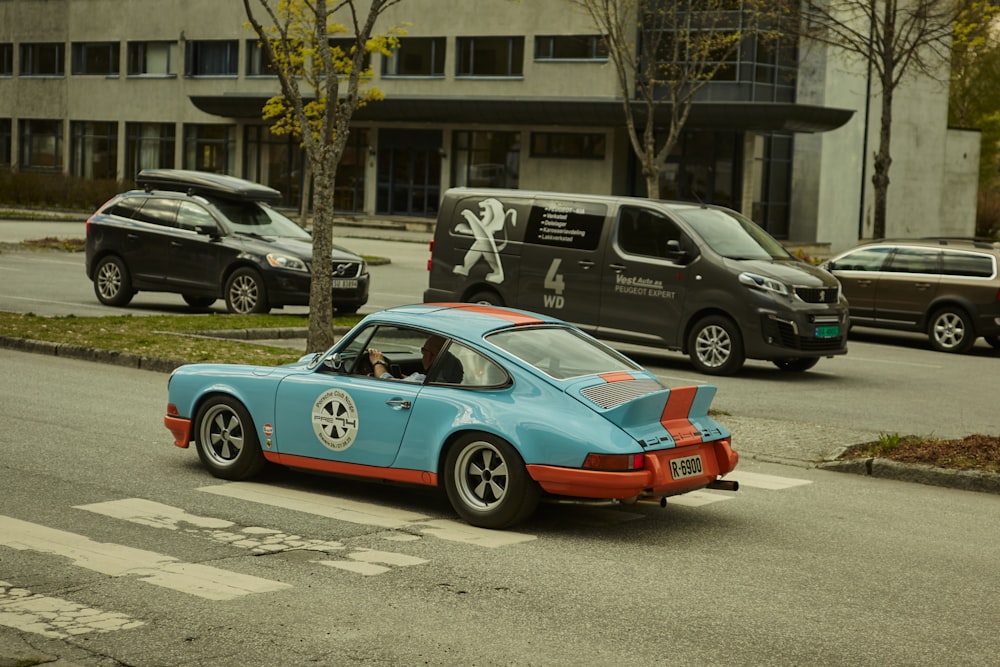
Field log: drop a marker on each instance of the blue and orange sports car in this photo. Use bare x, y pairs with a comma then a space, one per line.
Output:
502, 407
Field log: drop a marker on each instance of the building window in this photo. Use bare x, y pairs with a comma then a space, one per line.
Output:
93, 149
258, 61
43, 59
95, 58
212, 58
490, 56
486, 159
152, 58
40, 143
342, 46
773, 208
5, 142
210, 148
6, 59
416, 56
149, 146
570, 47
582, 145
276, 161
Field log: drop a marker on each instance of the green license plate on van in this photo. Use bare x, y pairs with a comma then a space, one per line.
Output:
827, 332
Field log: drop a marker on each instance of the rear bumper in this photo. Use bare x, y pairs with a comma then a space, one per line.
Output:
717, 457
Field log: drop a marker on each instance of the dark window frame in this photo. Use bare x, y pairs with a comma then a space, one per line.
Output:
553, 48
136, 141
86, 139
402, 57
28, 141
7, 59
212, 58
509, 63
95, 58
137, 58
34, 56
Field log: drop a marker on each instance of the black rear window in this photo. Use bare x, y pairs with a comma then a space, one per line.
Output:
124, 207
968, 264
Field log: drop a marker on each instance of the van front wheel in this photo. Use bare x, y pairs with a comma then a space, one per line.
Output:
486, 298
715, 346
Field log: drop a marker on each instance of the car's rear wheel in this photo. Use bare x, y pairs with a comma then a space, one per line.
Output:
199, 301
715, 346
487, 482
226, 439
796, 364
950, 330
486, 298
112, 284
245, 292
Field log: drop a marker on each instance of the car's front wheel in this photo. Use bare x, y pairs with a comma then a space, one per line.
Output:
226, 439
950, 330
715, 346
796, 364
487, 482
112, 284
246, 293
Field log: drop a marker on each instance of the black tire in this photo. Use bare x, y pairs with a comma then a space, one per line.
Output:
112, 284
199, 302
246, 293
950, 330
796, 364
486, 298
347, 310
994, 341
227, 440
487, 483
715, 346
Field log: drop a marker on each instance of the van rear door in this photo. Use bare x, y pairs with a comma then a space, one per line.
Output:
560, 260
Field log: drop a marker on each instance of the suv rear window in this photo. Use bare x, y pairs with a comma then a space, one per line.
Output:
968, 264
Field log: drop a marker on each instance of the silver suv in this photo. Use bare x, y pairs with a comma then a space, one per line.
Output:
946, 287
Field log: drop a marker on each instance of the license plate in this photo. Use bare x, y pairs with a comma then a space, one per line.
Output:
827, 332
345, 283
689, 466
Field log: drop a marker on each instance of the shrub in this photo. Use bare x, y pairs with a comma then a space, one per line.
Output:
59, 191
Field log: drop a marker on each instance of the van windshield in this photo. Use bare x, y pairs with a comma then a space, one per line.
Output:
258, 219
733, 236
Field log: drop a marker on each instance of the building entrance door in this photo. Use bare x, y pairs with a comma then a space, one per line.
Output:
409, 172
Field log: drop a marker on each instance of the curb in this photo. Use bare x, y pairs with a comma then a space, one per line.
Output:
966, 480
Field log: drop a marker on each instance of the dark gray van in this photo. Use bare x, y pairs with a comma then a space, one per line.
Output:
700, 279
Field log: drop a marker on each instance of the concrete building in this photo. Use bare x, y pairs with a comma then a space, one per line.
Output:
481, 92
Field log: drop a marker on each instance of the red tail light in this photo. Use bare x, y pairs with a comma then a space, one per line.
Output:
430, 260
614, 462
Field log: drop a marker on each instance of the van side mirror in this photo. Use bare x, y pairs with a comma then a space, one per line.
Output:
676, 253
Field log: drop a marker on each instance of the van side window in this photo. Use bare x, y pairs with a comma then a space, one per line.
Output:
645, 232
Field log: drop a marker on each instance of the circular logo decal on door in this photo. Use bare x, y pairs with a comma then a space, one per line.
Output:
335, 419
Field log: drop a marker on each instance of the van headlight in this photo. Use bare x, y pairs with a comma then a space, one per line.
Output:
761, 282
289, 262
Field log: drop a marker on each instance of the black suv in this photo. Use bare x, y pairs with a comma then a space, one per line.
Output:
947, 288
209, 236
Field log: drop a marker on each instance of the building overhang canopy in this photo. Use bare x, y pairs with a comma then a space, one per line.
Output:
576, 112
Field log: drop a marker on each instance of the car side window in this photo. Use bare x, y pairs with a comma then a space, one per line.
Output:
865, 259
645, 232
191, 216
159, 211
125, 207
460, 365
968, 264
915, 260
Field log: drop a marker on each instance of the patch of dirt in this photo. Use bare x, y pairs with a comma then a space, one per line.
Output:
53, 243
974, 452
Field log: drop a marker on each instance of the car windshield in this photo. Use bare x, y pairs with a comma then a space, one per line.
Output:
561, 352
258, 219
732, 235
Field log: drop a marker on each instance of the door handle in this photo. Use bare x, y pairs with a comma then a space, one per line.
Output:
176, 244
618, 268
585, 264
398, 403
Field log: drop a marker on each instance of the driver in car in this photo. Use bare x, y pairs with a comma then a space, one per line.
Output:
432, 346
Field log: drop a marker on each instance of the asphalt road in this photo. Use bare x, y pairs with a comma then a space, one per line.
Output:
118, 548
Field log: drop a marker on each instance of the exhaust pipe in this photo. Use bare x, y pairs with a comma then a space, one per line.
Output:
724, 485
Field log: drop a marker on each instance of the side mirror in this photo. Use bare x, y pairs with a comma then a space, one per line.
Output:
334, 361
207, 230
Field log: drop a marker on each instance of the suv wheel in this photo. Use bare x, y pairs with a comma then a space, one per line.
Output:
715, 346
245, 292
950, 330
199, 302
112, 284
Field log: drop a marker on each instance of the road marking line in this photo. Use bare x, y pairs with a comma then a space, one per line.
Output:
697, 499
366, 514
367, 569
117, 560
55, 617
760, 481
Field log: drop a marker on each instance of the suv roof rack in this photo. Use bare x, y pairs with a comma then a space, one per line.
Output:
205, 183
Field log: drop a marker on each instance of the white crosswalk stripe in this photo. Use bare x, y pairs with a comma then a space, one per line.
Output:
760, 481
55, 617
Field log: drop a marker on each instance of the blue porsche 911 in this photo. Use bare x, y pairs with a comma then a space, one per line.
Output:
501, 407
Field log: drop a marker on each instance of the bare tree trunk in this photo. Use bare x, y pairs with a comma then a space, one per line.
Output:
883, 160
320, 335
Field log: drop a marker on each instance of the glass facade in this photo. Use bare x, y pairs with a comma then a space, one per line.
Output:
94, 149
